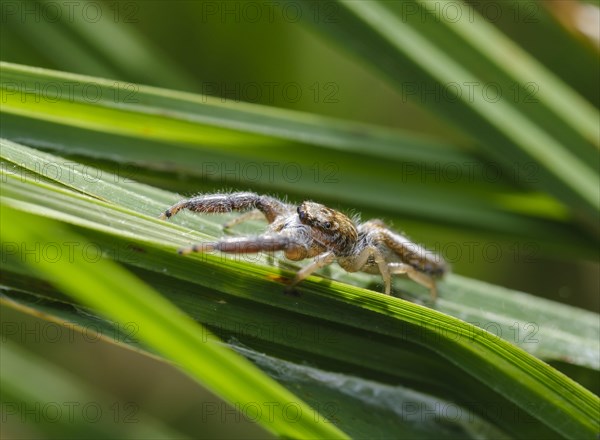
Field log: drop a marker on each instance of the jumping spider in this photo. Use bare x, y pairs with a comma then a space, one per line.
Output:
314, 230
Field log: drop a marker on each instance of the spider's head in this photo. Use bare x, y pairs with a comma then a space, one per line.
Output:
334, 229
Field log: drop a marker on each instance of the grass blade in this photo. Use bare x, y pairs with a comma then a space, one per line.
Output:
123, 297
426, 48
494, 363
213, 143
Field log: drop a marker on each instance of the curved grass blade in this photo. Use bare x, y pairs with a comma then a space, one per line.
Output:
83, 42
168, 115
531, 323
106, 287
520, 378
416, 46
361, 407
244, 145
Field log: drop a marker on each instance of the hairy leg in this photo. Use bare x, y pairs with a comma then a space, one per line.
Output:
247, 245
422, 260
358, 262
319, 262
415, 275
240, 201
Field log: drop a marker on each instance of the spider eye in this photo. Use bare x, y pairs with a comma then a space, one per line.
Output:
301, 214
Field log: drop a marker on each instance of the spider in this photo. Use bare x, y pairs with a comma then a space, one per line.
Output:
312, 230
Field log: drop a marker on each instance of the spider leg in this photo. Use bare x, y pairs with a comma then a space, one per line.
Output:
415, 275
320, 261
420, 264
358, 262
240, 201
422, 260
249, 245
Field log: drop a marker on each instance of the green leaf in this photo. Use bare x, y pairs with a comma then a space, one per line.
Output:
419, 48
549, 330
386, 329
110, 289
359, 406
241, 144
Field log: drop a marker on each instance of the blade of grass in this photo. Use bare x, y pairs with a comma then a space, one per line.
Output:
85, 47
127, 202
241, 144
571, 414
425, 48
118, 294
168, 115
345, 399
536, 29
506, 55
568, 408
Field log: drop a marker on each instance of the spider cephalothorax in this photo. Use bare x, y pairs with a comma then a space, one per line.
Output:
332, 228
312, 230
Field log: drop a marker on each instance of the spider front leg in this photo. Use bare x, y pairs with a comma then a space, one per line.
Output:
221, 203
319, 262
249, 245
